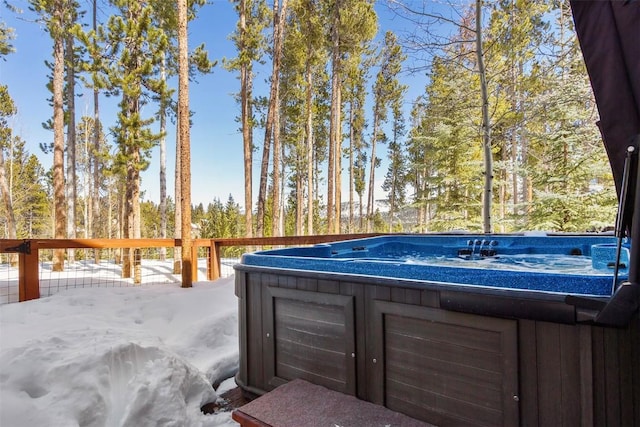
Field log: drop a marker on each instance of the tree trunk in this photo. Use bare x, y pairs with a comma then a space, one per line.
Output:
185, 148
361, 207
351, 174
392, 203
6, 197
370, 195
247, 131
281, 214
72, 182
5, 192
486, 125
335, 116
309, 136
135, 212
338, 159
95, 199
163, 159
60, 231
300, 180
276, 230
177, 253
278, 27
502, 199
87, 185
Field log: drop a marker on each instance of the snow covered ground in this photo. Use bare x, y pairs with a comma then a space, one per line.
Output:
119, 356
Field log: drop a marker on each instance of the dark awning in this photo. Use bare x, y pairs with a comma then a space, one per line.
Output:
609, 35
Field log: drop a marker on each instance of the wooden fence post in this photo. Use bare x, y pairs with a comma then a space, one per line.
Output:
29, 273
194, 263
213, 269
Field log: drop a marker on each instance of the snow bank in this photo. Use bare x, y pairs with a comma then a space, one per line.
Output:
118, 356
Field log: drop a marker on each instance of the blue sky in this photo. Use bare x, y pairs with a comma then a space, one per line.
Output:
217, 158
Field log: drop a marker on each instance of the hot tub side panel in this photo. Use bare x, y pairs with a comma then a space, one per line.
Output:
447, 367
309, 335
580, 374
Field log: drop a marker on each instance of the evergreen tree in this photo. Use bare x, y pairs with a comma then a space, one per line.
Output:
312, 17
250, 43
571, 178
57, 15
396, 179
166, 17
30, 203
302, 67
357, 69
446, 164
72, 65
387, 89
293, 116
135, 47
90, 161
352, 24
272, 123
516, 31
7, 110
420, 166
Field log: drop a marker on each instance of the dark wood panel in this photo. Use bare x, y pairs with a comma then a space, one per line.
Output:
634, 333
328, 286
586, 374
310, 336
437, 418
240, 290
549, 372
612, 377
557, 374
320, 314
287, 282
367, 377
625, 377
293, 372
358, 376
528, 362
445, 342
430, 298
474, 364
454, 365
437, 332
599, 375
330, 338
382, 293
570, 383
269, 279
255, 332
428, 401
315, 360
325, 335
452, 386
398, 295
346, 288
307, 284
412, 296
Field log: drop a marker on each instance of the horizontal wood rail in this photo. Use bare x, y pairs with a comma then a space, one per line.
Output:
28, 251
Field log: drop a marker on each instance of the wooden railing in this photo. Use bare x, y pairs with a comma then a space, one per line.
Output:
28, 252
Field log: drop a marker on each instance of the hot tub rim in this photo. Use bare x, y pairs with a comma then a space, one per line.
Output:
475, 299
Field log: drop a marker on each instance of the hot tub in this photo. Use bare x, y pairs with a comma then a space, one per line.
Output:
455, 329
558, 264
